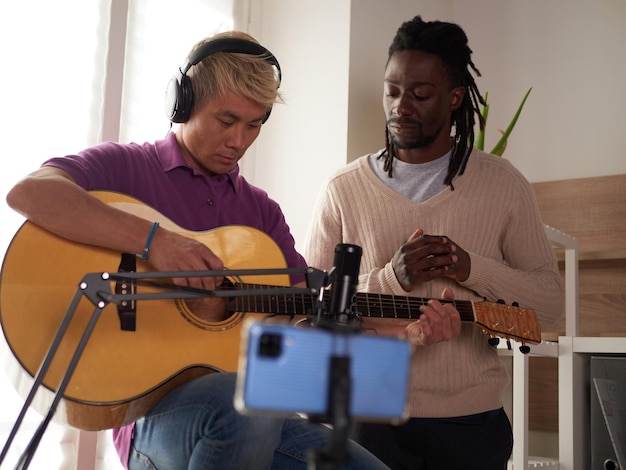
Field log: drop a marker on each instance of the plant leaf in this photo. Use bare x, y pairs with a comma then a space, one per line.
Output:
480, 136
501, 145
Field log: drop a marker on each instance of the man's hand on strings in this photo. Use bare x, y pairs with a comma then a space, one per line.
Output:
174, 252
438, 322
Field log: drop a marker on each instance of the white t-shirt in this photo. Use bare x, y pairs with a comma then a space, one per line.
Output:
416, 181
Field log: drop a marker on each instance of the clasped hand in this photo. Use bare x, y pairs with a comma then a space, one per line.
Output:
426, 257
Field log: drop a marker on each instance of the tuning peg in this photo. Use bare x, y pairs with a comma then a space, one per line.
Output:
508, 344
515, 304
524, 349
500, 301
494, 341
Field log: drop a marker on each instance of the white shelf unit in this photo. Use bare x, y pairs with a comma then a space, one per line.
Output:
520, 458
573, 361
574, 354
574, 419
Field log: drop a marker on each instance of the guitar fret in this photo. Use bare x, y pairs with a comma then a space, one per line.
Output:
260, 300
292, 300
380, 306
250, 300
409, 310
403, 307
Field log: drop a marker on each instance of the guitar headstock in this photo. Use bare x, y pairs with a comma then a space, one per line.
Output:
508, 321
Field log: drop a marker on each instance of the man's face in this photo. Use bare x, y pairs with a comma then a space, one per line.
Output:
418, 100
218, 133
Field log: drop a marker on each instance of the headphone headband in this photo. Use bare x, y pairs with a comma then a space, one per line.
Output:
179, 93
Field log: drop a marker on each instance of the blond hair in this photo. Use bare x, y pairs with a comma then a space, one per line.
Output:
247, 75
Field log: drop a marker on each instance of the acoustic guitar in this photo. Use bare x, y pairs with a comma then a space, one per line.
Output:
124, 372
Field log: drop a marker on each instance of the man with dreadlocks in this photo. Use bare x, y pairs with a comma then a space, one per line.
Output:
437, 218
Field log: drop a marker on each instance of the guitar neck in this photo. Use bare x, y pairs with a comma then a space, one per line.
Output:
366, 305
394, 306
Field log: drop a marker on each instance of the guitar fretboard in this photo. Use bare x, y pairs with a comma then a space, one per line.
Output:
394, 306
365, 305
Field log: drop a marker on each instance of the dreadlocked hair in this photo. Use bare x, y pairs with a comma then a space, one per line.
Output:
449, 42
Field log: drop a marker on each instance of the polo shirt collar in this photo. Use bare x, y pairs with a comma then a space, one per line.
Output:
171, 157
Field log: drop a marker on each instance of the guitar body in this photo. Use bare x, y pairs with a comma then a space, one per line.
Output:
121, 373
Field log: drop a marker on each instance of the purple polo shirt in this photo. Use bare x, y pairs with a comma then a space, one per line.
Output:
157, 174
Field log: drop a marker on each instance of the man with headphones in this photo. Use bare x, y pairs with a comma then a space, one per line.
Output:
221, 96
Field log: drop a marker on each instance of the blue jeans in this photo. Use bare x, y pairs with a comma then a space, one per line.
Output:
197, 427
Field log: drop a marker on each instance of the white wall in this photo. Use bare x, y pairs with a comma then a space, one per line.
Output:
333, 52
372, 27
305, 139
572, 53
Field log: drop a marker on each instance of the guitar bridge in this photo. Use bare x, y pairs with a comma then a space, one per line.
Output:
127, 309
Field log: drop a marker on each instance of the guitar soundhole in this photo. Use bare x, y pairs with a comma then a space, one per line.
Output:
208, 314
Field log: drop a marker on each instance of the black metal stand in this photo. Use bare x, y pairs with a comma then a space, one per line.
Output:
97, 288
29, 452
335, 456
344, 279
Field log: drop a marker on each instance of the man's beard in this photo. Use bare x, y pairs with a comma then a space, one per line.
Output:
418, 142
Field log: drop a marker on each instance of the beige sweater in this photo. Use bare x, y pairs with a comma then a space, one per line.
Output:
492, 214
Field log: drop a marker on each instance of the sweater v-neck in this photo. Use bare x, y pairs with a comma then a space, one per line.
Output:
370, 174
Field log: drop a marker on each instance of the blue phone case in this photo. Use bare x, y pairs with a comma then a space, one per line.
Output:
285, 369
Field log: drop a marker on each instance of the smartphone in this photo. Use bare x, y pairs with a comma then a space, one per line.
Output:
285, 369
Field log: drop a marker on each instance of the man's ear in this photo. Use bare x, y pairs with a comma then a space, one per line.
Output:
456, 97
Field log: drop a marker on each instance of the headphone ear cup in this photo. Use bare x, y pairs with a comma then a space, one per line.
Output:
179, 98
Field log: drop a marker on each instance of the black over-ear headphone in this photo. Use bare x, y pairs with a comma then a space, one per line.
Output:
179, 92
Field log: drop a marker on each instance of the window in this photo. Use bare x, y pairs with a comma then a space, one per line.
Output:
162, 34
58, 99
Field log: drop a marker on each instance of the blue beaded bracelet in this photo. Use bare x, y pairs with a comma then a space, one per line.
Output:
146, 250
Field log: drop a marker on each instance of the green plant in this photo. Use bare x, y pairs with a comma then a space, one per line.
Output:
500, 147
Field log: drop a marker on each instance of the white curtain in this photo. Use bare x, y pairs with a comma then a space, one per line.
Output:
57, 99
161, 35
